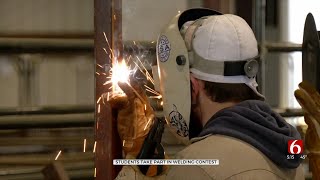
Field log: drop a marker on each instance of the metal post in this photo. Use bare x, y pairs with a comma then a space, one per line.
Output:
108, 145
258, 25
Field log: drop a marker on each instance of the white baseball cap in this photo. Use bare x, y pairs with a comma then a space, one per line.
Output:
222, 49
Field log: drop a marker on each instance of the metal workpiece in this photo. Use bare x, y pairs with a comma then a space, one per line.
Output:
311, 53
108, 35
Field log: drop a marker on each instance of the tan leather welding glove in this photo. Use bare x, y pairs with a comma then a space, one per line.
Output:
134, 117
309, 99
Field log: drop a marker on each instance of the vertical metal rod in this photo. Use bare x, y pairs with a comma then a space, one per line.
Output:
258, 26
108, 145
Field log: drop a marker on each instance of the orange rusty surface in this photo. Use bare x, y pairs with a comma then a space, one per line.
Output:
108, 145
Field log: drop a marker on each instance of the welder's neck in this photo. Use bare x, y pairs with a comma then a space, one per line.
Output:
209, 108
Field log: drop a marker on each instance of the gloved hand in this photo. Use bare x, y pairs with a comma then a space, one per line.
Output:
309, 99
134, 119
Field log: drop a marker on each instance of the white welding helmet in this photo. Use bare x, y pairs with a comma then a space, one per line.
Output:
214, 47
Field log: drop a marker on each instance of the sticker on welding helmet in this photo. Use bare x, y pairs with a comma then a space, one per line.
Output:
163, 48
178, 122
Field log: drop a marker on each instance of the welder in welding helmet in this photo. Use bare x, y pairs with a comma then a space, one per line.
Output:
207, 67
220, 50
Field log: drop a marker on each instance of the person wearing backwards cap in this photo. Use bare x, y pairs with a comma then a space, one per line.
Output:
230, 120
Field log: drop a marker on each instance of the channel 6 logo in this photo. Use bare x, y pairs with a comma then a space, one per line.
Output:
295, 146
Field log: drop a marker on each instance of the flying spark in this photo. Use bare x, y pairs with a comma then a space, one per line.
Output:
105, 50
58, 155
105, 36
147, 124
99, 100
155, 97
148, 76
149, 89
166, 120
120, 72
94, 147
84, 145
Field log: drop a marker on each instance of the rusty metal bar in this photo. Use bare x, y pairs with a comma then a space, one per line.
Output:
108, 142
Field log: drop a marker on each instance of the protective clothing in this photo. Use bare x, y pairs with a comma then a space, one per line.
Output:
134, 119
248, 146
213, 47
174, 72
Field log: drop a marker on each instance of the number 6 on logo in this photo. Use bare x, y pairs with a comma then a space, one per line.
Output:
295, 146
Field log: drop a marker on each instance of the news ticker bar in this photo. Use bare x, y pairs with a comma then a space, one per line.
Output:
186, 162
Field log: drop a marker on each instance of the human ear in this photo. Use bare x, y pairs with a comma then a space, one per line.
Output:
194, 88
